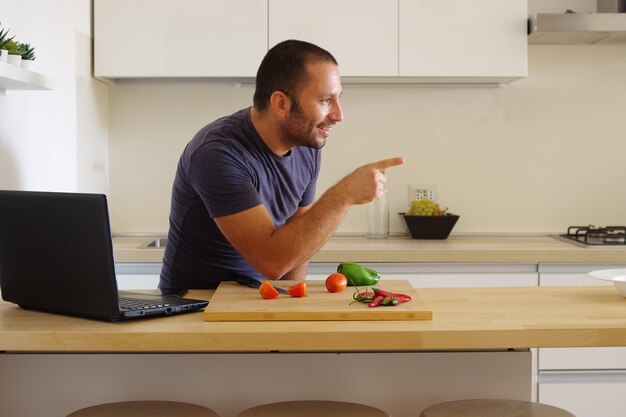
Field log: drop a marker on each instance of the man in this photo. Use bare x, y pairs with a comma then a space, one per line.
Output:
242, 200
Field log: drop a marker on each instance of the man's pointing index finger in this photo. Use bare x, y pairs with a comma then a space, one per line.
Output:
388, 163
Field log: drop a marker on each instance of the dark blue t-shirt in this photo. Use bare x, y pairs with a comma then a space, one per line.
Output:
226, 169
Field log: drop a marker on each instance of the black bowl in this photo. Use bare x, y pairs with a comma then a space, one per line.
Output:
430, 227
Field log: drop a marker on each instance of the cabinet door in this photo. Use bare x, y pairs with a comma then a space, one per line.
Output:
137, 276
184, 38
450, 38
601, 397
444, 275
137, 281
361, 34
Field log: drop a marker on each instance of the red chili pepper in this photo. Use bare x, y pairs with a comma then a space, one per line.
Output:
364, 297
367, 294
378, 297
389, 301
376, 301
378, 291
402, 298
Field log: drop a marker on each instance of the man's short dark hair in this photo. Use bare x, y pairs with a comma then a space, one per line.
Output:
284, 69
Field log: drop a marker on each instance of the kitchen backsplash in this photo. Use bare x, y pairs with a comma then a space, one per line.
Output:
533, 156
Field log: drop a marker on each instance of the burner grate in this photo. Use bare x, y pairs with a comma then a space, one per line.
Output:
595, 235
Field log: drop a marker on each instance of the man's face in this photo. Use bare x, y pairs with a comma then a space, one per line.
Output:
317, 109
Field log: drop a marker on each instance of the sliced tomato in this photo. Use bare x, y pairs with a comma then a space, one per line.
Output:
336, 282
297, 290
268, 291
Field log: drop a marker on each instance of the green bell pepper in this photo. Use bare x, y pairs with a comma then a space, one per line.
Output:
358, 276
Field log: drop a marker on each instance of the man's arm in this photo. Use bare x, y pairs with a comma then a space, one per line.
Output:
299, 272
275, 252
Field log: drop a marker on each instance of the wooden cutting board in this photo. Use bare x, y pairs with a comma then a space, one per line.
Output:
234, 302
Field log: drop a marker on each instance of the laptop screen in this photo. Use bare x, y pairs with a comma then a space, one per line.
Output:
56, 252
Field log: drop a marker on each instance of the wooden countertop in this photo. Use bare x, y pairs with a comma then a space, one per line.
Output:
476, 318
458, 249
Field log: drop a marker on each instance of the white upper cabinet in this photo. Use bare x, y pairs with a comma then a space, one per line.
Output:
183, 38
449, 41
361, 34
463, 40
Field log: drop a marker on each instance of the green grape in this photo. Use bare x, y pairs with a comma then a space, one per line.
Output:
425, 207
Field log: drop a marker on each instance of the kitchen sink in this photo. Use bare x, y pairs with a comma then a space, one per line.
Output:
158, 243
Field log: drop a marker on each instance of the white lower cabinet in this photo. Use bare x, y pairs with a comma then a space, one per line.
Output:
587, 382
434, 275
137, 276
423, 275
585, 395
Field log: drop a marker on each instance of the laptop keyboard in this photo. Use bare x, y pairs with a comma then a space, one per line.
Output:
136, 304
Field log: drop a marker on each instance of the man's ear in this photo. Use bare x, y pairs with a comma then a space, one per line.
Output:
280, 104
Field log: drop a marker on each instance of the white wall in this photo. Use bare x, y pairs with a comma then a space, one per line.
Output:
535, 156
54, 140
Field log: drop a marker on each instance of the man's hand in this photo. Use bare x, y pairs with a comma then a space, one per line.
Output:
367, 182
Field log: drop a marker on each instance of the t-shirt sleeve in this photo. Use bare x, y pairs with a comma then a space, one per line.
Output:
308, 197
220, 176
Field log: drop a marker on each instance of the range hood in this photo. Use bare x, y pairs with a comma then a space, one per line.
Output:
577, 28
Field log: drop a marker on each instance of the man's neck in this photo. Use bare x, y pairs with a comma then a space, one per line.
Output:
268, 131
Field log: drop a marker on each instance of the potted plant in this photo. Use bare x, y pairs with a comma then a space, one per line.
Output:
28, 55
4, 39
15, 54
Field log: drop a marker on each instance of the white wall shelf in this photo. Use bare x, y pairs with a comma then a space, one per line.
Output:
13, 77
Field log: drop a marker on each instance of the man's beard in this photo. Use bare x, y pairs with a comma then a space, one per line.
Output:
299, 130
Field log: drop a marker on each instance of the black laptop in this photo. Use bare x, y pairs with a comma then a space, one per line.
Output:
56, 255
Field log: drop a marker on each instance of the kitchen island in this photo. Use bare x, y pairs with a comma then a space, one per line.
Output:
476, 345
463, 319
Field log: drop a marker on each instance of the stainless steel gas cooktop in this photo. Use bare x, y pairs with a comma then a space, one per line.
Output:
597, 235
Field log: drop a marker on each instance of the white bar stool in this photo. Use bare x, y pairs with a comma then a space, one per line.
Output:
145, 409
493, 408
313, 408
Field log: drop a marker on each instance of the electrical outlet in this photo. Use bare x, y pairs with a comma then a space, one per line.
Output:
417, 192
424, 193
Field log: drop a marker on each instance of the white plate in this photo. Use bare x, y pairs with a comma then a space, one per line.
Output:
616, 276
